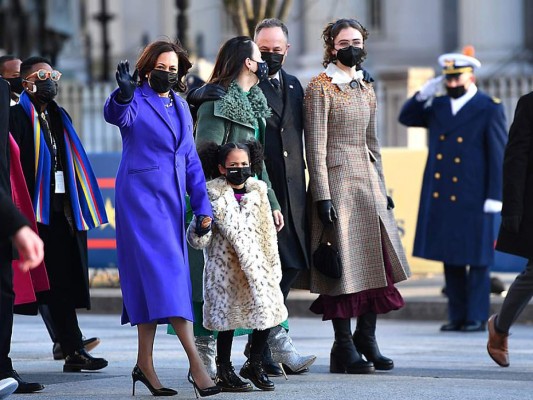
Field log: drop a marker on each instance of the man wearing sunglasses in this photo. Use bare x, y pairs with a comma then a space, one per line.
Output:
462, 185
66, 201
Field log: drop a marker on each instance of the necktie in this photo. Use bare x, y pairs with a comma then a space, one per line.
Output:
276, 84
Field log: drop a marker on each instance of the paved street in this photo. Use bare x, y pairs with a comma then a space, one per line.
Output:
429, 364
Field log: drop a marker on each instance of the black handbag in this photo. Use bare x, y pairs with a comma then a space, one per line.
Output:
326, 258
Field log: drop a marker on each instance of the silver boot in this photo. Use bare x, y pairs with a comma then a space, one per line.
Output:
284, 352
206, 346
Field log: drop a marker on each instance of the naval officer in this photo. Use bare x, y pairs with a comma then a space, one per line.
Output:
462, 185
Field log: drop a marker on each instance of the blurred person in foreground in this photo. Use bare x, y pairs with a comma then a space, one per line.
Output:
516, 231
462, 185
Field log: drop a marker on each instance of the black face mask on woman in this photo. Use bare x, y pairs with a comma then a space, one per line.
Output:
15, 84
262, 71
351, 56
237, 175
273, 60
455, 92
46, 91
162, 81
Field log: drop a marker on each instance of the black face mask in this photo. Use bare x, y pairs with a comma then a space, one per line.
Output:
162, 81
273, 60
16, 84
262, 71
46, 91
238, 176
455, 92
351, 56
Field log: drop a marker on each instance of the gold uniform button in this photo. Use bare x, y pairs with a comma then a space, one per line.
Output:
455, 179
442, 137
436, 195
459, 139
453, 198
457, 160
439, 156
437, 175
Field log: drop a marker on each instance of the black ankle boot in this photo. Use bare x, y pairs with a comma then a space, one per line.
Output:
227, 379
344, 357
364, 339
269, 365
253, 370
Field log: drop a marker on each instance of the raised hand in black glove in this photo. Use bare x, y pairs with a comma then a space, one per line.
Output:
326, 211
367, 77
203, 225
390, 203
126, 82
511, 223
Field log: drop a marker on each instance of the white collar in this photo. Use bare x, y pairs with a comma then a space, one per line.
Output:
457, 104
276, 75
337, 75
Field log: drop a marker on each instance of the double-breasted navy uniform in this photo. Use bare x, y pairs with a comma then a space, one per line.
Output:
463, 170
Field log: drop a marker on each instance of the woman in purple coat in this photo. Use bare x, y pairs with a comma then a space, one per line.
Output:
159, 166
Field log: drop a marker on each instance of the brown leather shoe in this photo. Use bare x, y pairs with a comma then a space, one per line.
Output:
497, 344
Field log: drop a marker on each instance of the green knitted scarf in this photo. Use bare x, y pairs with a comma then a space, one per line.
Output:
239, 106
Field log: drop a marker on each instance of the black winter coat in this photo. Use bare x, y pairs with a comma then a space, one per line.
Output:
518, 181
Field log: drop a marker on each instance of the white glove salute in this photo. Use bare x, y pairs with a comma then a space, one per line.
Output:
492, 206
430, 88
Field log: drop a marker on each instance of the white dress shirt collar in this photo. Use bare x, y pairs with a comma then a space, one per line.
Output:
457, 104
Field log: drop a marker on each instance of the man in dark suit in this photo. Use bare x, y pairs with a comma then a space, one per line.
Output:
12, 223
516, 231
284, 160
462, 185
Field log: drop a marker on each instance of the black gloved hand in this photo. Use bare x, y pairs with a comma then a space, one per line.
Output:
203, 225
511, 223
367, 77
390, 203
326, 211
126, 82
207, 92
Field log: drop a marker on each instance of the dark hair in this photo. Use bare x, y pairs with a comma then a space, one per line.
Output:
271, 23
4, 59
212, 155
148, 58
331, 31
28, 63
230, 59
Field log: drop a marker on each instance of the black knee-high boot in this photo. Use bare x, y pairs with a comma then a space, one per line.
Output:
344, 357
364, 339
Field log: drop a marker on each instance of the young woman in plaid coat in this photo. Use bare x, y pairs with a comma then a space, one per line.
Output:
351, 202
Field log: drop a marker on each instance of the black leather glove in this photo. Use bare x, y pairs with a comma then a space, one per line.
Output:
390, 203
207, 92
326, 211
511, 223
367, 77
202, 228
126, 82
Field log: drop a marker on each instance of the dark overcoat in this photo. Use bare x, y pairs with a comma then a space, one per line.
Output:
284, 160
518, 181
463, 169
62, 273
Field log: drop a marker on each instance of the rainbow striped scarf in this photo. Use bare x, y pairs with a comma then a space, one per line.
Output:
87, 204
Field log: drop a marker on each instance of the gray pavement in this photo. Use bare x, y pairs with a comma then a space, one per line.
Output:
428, 364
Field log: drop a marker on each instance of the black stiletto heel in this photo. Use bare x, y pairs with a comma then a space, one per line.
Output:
210, 391
138, 375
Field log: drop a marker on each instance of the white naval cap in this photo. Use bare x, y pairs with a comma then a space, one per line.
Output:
457, 63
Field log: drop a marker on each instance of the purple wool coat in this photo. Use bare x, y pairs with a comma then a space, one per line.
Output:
159, 166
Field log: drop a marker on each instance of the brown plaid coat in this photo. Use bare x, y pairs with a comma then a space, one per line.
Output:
344, 163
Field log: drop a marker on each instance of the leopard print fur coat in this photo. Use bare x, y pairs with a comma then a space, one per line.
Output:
242, 268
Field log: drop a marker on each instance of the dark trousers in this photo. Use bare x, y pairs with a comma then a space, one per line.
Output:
288, 276
7, 299
468, 291
517, 298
